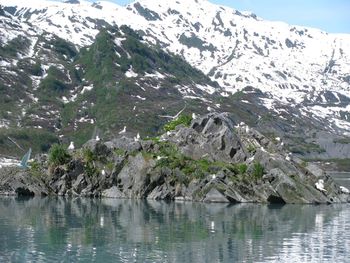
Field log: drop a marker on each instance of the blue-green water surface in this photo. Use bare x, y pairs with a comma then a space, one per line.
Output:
109, 230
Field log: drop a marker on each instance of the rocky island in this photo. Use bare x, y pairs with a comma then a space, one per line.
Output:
209, 159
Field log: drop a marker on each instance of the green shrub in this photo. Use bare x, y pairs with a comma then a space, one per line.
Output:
251, 148
58, 155
182, 119
63, 47
36, 69
90, 169
237, 96
258, 170
110, 166
119, 152
88, 156
28, 66
16, 45
52, 85
197, 168
153, 139
34, 169
242, 168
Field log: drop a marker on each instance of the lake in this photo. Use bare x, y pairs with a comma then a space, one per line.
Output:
109, 230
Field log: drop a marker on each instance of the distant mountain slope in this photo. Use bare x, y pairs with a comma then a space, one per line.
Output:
66, 66
51, 86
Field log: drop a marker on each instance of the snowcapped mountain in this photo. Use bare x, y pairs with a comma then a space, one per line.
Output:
299, 75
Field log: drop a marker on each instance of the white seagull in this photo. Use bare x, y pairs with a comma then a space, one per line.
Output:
289, 157
97, 138
137, 138
344, 190
123, 131
71, 146
103, 172
175, 116
320, 185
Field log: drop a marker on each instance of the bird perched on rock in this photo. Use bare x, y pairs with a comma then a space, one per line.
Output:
137, 138
97, 138
123, 131
344, 190
71, 146
103, 172
289, 157
320, 185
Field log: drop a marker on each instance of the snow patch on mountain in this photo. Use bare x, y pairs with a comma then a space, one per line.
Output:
293, 66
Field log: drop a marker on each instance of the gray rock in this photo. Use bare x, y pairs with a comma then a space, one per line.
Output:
315, 170
214, 196
124, 143
87, 191
133, 177
162, 192
211, 137
75, 168
79, 184
113, 192
98, 147
147, 145
19, 181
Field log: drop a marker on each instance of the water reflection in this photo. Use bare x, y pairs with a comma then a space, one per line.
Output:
85, 230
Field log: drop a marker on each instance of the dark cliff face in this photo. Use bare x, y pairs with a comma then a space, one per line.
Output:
212, 160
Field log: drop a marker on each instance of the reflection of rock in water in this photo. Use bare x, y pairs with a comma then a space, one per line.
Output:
179, 232
328, 242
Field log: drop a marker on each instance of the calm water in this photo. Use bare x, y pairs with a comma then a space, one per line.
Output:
84, 230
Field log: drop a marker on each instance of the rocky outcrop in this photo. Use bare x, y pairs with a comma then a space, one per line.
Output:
213, 160
16, 181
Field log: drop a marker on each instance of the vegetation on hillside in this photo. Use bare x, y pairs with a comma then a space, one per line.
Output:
37, 139
58, 155
180, 120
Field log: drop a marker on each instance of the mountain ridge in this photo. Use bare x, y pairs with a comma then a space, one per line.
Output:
269, 66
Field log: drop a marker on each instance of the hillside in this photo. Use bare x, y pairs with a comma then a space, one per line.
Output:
72, 70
